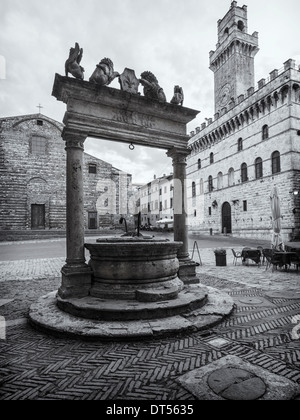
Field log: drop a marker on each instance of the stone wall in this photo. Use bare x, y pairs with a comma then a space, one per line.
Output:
33, 177
29, 177
276, 105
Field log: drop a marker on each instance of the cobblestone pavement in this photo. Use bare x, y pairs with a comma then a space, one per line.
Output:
264, 330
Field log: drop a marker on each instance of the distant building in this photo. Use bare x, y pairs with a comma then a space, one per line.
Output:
251, 145
156, 200
33, 179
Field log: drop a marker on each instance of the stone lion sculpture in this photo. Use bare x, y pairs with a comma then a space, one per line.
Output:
152, 90
104, 73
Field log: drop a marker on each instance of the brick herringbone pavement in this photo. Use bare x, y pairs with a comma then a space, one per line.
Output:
262, 330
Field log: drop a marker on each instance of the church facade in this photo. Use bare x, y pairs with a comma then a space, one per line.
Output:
250, 146
33, 180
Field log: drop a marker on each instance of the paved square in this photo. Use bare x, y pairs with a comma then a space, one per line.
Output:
232, 378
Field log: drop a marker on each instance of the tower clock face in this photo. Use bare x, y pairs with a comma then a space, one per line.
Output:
225, 95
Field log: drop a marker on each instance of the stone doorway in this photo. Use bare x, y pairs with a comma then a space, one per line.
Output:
226, 218
37, 216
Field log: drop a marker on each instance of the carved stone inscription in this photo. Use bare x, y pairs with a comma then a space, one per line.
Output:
130, 117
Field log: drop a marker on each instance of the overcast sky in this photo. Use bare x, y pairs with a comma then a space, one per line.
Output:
171, 38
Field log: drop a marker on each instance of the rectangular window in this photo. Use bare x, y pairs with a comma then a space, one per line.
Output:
39, 122
38, 145
209, 211
245, 206
92, 168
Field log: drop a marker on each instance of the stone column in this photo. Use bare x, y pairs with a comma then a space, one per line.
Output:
76, 274
187, 268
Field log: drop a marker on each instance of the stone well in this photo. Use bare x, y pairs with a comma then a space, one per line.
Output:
135, 268
131, 287
133, 278
135, 293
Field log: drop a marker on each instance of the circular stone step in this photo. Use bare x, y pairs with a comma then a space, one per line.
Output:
45, 316
126, 310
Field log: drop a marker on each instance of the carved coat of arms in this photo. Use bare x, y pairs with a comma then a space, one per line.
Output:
128, 81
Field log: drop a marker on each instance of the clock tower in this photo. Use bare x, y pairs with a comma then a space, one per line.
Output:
233, 60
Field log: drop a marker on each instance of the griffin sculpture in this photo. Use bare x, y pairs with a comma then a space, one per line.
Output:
104, 73
152, 90
72, 64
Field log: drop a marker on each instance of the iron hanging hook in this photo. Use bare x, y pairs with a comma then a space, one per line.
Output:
131, 146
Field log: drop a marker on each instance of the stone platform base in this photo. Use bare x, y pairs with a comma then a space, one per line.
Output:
45, 315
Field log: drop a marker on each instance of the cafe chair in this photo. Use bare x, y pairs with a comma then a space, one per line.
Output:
236, 256
272, 260
263, 258
295, 260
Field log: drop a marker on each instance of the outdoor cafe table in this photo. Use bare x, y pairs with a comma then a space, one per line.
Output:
285, 257
292, 246
252, 254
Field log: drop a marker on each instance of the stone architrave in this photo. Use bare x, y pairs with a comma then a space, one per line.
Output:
112, 114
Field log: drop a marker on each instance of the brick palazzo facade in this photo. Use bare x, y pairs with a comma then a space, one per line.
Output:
33, 180
251, 145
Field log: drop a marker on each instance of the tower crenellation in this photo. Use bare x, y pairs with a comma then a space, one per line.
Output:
275, 76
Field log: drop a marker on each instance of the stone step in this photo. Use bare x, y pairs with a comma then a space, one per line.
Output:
46, 316
156, 295
126, 310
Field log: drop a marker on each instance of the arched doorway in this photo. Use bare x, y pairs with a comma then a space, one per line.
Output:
226, 218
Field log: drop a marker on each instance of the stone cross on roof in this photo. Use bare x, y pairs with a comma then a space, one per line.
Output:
39, 106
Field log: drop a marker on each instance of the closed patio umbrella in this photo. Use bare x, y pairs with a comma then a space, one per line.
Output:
276, 215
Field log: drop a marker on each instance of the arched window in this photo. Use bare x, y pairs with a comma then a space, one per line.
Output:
220, 180
244, 172
275, 162
240, 144
258, 168
230, 177
194, 189
211, 158
210, 184
199, 163
201, 187
265, 132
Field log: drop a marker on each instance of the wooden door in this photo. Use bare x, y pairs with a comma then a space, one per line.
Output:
37, 216
92, 220
226, 218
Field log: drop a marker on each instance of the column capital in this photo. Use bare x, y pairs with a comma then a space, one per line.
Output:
74, 139
178, 155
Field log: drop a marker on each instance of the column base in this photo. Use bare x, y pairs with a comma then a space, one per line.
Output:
76, 281
187, 271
